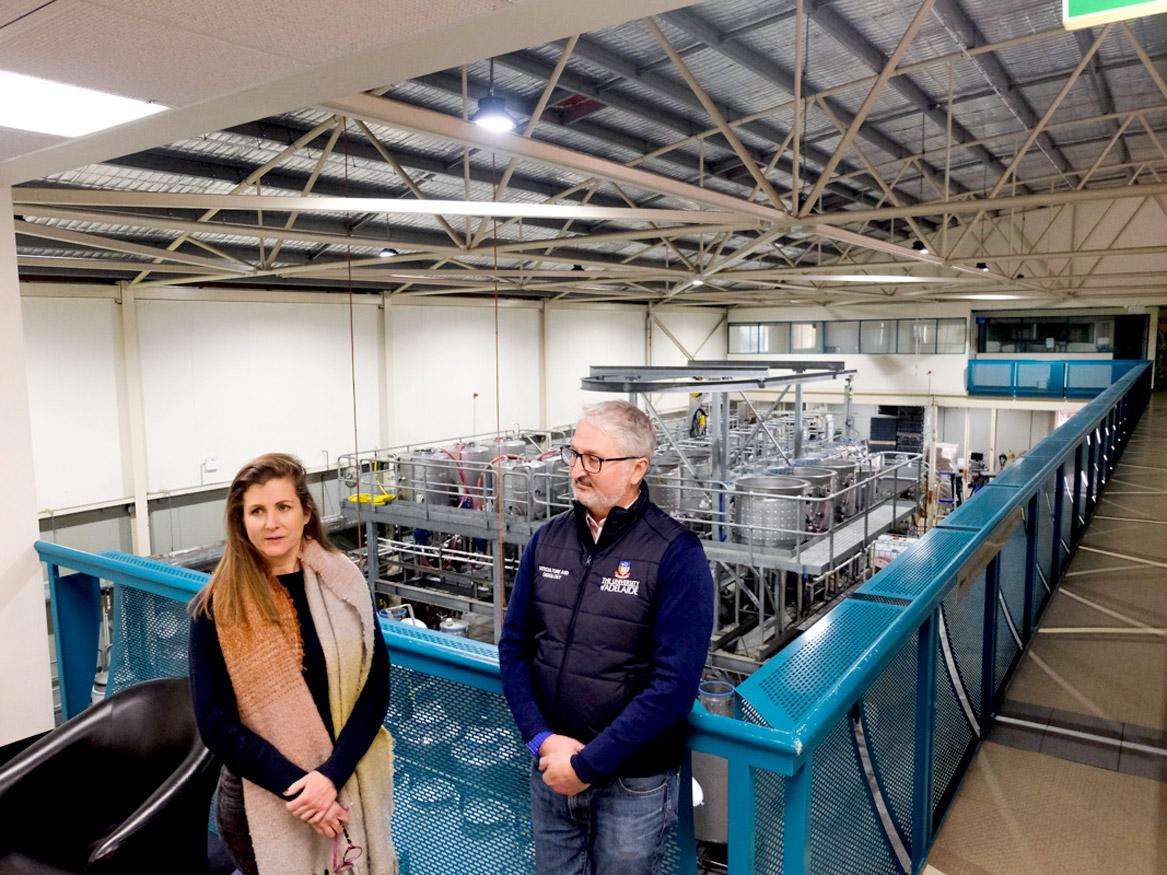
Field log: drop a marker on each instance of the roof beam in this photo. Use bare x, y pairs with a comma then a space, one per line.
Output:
287, 130
954, 16
721, 167
846, 35
698, 28
1102, 92
855, 125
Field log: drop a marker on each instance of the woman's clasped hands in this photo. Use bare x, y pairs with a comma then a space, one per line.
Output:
316, 804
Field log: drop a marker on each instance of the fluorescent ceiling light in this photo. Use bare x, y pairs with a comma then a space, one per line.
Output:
32, 104
888, 279
990, 297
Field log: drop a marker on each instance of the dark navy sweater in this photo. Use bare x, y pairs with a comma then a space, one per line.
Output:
683, 616
251, 756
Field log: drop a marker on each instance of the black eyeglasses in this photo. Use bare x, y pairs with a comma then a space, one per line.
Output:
591, 462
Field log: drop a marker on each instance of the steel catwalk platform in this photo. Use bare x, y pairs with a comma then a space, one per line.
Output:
821, 555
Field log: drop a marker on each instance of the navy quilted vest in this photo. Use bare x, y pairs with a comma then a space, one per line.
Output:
594, 609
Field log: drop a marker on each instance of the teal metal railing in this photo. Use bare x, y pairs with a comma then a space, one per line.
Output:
1045, 378
851, 741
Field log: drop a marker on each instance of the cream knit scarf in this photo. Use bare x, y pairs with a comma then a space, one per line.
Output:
264, 663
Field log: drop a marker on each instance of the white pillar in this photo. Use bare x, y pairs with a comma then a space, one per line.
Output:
544, 384
26, 696
135, 421
388, 438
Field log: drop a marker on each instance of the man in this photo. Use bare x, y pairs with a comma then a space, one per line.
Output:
601, 653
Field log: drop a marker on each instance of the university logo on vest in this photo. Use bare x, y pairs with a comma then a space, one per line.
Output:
620, 581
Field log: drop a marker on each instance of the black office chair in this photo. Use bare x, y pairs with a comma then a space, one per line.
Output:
123, 787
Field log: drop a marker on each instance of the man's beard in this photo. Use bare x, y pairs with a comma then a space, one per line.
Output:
595, 501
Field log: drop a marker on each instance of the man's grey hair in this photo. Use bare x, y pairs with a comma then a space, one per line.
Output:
625, 422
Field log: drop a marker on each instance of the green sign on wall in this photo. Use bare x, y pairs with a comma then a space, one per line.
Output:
1088, 13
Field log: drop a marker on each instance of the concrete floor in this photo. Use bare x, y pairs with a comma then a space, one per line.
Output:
1037, 800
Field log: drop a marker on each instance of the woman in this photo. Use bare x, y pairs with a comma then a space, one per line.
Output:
290, 679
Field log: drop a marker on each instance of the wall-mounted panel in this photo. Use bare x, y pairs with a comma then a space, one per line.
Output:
73, 353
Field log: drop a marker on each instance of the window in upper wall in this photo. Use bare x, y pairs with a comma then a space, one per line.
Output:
917, 336
759, 337
841, 337
951, 335
776, 337
1047, 333
743, 337
804, 336
877, 336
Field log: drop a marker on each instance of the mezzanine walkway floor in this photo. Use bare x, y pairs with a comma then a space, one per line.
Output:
1073, 776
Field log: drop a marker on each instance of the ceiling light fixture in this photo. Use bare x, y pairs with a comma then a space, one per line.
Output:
921, 247
697, 281
387, 252
982, 267
492, 110
32, 104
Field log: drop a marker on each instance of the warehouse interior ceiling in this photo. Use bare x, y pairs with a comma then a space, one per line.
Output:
735, 152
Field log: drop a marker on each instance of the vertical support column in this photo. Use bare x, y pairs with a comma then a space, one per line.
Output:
544, 394
989, 651
385, 383
719, 454
76, 603
796, 822
372, 557
993, 440
1058, 534
927, 642
1090, 462
686, 840
26, 695
136, 420
499, 584
797, 421
1076, 520
742, 818
1031, 524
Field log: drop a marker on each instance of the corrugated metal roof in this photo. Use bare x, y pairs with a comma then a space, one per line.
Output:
654, 107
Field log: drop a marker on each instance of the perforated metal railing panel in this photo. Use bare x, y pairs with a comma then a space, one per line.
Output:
1012, 586
1045, 543
197, 578
889, 725
845, 833
785, 688
964, 621
151, 635
935, 558
461, 774
769, 807
958, 684
983, 513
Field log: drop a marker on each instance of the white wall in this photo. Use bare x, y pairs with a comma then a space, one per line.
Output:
442, 355
74, 366
232, 380
580, 336
26, 698
229, 379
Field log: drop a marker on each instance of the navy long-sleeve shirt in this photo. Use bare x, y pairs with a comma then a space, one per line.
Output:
253, 757
683, 615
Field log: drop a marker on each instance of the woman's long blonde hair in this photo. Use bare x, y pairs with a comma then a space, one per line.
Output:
242, 575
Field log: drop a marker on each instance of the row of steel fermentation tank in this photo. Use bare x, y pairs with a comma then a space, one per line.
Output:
762, 502
778, 505
465, 475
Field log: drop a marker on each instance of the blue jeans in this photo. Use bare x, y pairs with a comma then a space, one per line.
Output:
615, 829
